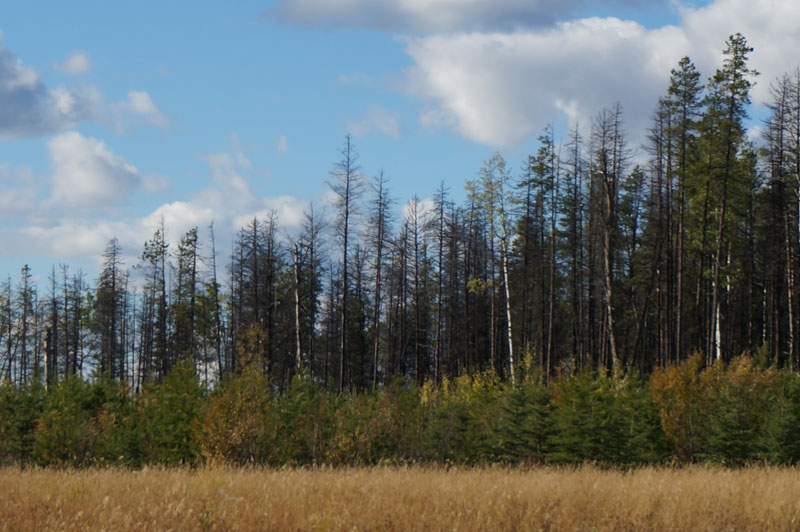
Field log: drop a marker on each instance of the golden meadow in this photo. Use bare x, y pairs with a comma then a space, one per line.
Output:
402, 498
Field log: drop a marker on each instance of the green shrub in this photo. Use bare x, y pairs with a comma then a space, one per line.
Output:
605, 420
170, 413
526, 427
377, 426
734, 414
70, 432
20, 409
740, 397
120, 426
304, 424
464, 425
781, 436
642, 433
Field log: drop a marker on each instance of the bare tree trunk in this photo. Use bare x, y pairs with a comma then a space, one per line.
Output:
679, 287
217, 324
551, 304
608, 296
511, 361
347, 188
298, 347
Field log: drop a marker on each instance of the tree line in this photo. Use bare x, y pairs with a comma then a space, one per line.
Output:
743, 412
586, 258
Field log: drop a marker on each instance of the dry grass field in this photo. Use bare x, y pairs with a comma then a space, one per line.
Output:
413, 498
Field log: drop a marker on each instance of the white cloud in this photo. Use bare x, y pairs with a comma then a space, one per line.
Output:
71, 212
138, 107
154, 184
233, 200
570, 109
238, 153
288, 210
329, 198
756, 135
66, 239
770, 27
76, 63
426, 209
72, 233
18, 191
231, 203
426, 15
179, 217
281, 144
86, 173
499, 88
376, 119
28, 108
140, 102
432, 117
226, 174
17, 76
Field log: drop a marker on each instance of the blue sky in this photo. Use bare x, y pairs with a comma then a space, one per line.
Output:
114, 114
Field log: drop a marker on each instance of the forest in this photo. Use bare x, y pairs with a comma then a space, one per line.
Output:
593, 262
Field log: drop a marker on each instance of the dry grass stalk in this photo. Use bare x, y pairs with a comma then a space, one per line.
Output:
413, 498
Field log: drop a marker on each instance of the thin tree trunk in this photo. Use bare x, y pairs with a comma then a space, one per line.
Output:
511, 361
298, 347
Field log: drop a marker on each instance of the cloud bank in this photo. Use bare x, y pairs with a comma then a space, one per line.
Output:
426, 16
498, 88
90, 187
498, 71
28, 108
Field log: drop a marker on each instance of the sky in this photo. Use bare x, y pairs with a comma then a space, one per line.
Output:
116, 115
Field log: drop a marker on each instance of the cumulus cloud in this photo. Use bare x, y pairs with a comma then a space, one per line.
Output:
76, 63
86, 173
376, 119
288, 211
28, 108
769, 25
232, 198
68, 238
497, 88
226, 174
430, 15
76, 232
138, 107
